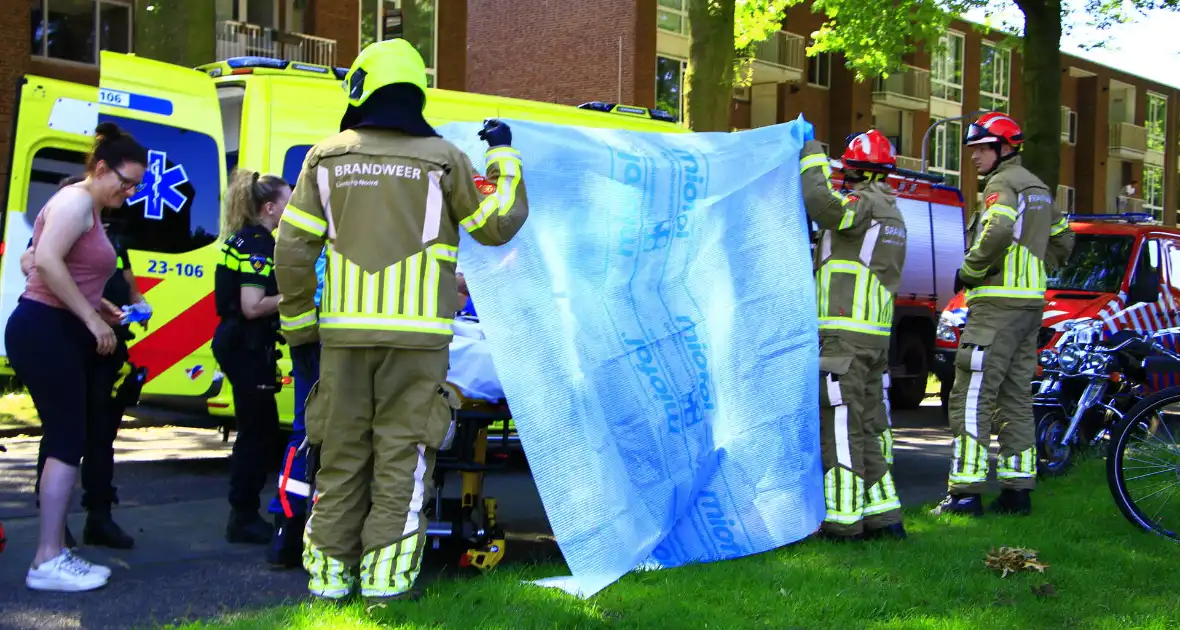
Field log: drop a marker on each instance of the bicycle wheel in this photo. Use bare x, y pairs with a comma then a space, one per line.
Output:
1143, 464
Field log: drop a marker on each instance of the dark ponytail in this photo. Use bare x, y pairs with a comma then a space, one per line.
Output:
248, 192
115, 148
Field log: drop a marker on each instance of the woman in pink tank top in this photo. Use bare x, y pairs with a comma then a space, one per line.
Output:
58, 330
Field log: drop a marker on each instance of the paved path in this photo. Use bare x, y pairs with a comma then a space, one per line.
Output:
172, 483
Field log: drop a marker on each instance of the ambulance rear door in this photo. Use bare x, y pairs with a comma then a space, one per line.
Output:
54, 129
283, 116
172, 225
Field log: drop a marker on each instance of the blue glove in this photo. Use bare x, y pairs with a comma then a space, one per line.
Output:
808, 129
495, 133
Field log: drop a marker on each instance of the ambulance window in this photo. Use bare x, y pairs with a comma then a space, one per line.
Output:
293, 162
230, 97
1173, 248
49, 167
179, 208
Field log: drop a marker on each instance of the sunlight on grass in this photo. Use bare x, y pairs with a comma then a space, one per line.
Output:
1102, 574
17, 411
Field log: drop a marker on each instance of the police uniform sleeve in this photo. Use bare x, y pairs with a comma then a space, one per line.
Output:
1061, 239
492, 209
302, 232
825, 206
995, 232
255, 260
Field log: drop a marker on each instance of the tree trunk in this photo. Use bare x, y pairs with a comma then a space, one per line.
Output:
709, 80
1042, 89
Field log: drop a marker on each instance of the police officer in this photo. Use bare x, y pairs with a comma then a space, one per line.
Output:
247, 302
1019, 231
114, 393
388, 195
858, 263
289, 506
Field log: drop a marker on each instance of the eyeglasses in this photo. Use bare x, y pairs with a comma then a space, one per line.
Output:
126, 183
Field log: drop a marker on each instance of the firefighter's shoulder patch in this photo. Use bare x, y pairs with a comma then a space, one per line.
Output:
486, 187
991, 200
853, 198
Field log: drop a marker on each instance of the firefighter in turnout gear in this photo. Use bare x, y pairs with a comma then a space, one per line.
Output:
1018, 232
858, 260
387, 195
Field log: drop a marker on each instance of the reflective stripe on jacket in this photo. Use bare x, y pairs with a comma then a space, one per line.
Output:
387, 208
859, 254
1018, 229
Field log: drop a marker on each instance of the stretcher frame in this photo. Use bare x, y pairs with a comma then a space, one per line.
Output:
470, 521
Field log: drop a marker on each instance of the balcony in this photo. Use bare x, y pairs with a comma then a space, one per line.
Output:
238, 39
1127, 141
780, 59
907, 89
909, 163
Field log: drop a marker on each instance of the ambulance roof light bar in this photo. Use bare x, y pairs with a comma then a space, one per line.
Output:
1125, 217
628, 110
248, 63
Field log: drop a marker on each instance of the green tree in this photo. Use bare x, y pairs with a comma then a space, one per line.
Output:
874, 46
176, 32
723, 35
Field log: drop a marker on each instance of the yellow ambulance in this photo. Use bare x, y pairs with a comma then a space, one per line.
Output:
198, 124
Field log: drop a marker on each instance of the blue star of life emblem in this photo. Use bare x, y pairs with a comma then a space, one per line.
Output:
159, 187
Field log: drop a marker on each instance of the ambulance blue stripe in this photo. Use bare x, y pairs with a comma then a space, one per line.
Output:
138, 102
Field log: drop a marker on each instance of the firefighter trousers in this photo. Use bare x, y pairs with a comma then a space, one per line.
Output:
856, 438
293, 477
378, 416
994, 368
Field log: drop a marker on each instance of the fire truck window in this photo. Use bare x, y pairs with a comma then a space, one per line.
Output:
1174, 264
49, 167
179, 208
293, 162
1097, 263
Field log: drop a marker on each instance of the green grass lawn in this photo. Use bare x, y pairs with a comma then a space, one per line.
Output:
1102, 573
17, 411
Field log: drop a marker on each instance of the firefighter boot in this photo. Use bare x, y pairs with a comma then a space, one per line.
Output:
966, 504
102, 531
1012, 502
895, 531
246, 526
286, 548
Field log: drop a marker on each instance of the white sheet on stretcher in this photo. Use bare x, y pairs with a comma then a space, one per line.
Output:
471, 369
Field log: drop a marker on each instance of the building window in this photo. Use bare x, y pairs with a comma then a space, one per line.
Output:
945, 151
76, 30
1157, 121
672, 16
946, 68
416, 21
1066, 199
819, 70
1069, 126
670, 85
994, 77
1153, 191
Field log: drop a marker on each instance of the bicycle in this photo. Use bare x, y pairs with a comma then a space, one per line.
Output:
1144, 447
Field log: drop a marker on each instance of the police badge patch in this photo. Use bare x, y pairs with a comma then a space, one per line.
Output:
258, 262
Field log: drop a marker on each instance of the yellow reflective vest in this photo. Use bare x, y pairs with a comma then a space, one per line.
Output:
388, 206
1010, 241
859, 254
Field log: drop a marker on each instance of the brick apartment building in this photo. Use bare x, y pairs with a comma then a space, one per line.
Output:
193, 32
1116, 128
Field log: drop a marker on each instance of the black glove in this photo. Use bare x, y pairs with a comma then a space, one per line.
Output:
958, 283
961, 284
495, 133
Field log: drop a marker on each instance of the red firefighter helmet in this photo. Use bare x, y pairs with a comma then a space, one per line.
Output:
994, 127
869, 151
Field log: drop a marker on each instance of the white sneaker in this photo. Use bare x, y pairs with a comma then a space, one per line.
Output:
65, 574
102, 570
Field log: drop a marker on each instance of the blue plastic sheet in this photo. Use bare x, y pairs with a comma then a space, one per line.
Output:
653, 326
